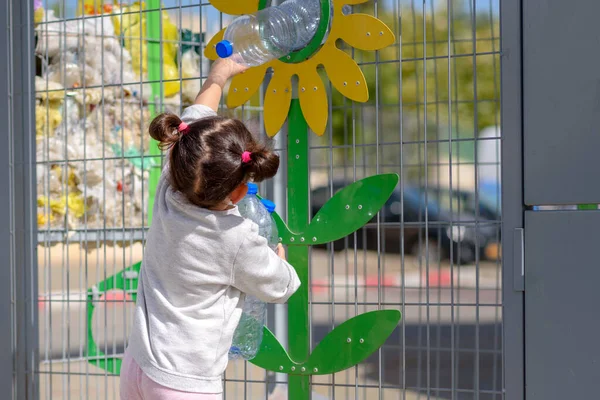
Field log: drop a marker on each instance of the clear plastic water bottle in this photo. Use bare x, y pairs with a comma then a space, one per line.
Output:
250, 206
270, 227
247, 337
271, 33
248, 334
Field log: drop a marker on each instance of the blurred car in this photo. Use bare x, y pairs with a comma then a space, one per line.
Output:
402, 226
485, 203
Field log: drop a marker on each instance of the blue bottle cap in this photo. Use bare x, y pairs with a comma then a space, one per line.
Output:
252, 188
224, 49
269, 205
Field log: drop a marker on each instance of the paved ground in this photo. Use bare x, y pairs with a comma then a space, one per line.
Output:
438, 303
79, 380
369, 283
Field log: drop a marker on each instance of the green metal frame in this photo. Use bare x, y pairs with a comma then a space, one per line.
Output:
127, 281
317, 40
124, 280
348, 210
587, 207
263, 4
298, 216
153, 32
351, 208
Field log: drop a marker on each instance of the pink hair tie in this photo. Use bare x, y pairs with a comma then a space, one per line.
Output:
246, 157
183, 128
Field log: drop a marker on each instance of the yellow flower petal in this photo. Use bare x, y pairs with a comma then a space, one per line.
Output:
277, 101
233, 7
344, 74
210, 51
358, 30
244, 85
352, 2
313, 99
365, 32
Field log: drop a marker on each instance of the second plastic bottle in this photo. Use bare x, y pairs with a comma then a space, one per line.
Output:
271, 33
248, 334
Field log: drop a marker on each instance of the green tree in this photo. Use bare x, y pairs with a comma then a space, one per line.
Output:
461, 69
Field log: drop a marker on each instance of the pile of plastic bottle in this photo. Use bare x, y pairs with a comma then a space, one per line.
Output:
107, 122
90, 105
248, 335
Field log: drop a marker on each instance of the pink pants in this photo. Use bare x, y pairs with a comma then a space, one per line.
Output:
135, 385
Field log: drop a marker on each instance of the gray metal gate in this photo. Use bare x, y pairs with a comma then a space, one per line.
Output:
560, 137
18, 276
433, 118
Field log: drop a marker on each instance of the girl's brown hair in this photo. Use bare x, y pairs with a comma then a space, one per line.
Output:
206, 159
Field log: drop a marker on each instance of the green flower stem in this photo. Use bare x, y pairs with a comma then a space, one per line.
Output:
298, 217
587, 207
153, 32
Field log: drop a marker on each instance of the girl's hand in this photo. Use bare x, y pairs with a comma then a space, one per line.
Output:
212, 89
281, 251
225, 68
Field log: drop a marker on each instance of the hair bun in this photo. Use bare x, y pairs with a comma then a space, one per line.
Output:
164, 129
263, 165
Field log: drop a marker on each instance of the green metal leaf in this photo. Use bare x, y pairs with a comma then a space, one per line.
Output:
285, 234
126, 280
271, 355
349, 209
352, 342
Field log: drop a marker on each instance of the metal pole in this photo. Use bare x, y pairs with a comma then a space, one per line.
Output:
298, 196
280, 197
18, 277
512, 197
154, 34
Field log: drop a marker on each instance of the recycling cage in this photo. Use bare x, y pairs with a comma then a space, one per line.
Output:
432, 117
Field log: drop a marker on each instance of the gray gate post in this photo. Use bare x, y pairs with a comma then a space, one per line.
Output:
512, 199
18, 241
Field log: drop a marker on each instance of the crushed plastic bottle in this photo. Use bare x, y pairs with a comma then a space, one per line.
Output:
248, 334
271, 33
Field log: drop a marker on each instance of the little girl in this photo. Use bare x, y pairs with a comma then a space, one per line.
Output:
201, 256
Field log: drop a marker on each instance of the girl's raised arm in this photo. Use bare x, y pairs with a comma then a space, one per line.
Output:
221, 71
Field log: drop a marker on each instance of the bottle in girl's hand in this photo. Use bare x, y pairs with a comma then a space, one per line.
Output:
250, 205
248, 335
271, 33
268, 225
249, 332
259, 211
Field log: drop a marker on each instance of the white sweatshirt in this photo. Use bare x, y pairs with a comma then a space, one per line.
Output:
197, 266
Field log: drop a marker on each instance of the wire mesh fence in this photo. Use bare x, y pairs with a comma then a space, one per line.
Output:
432, 252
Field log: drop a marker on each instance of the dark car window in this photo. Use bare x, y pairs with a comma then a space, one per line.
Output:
491, 203
457, 200
418, 198
414, 206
